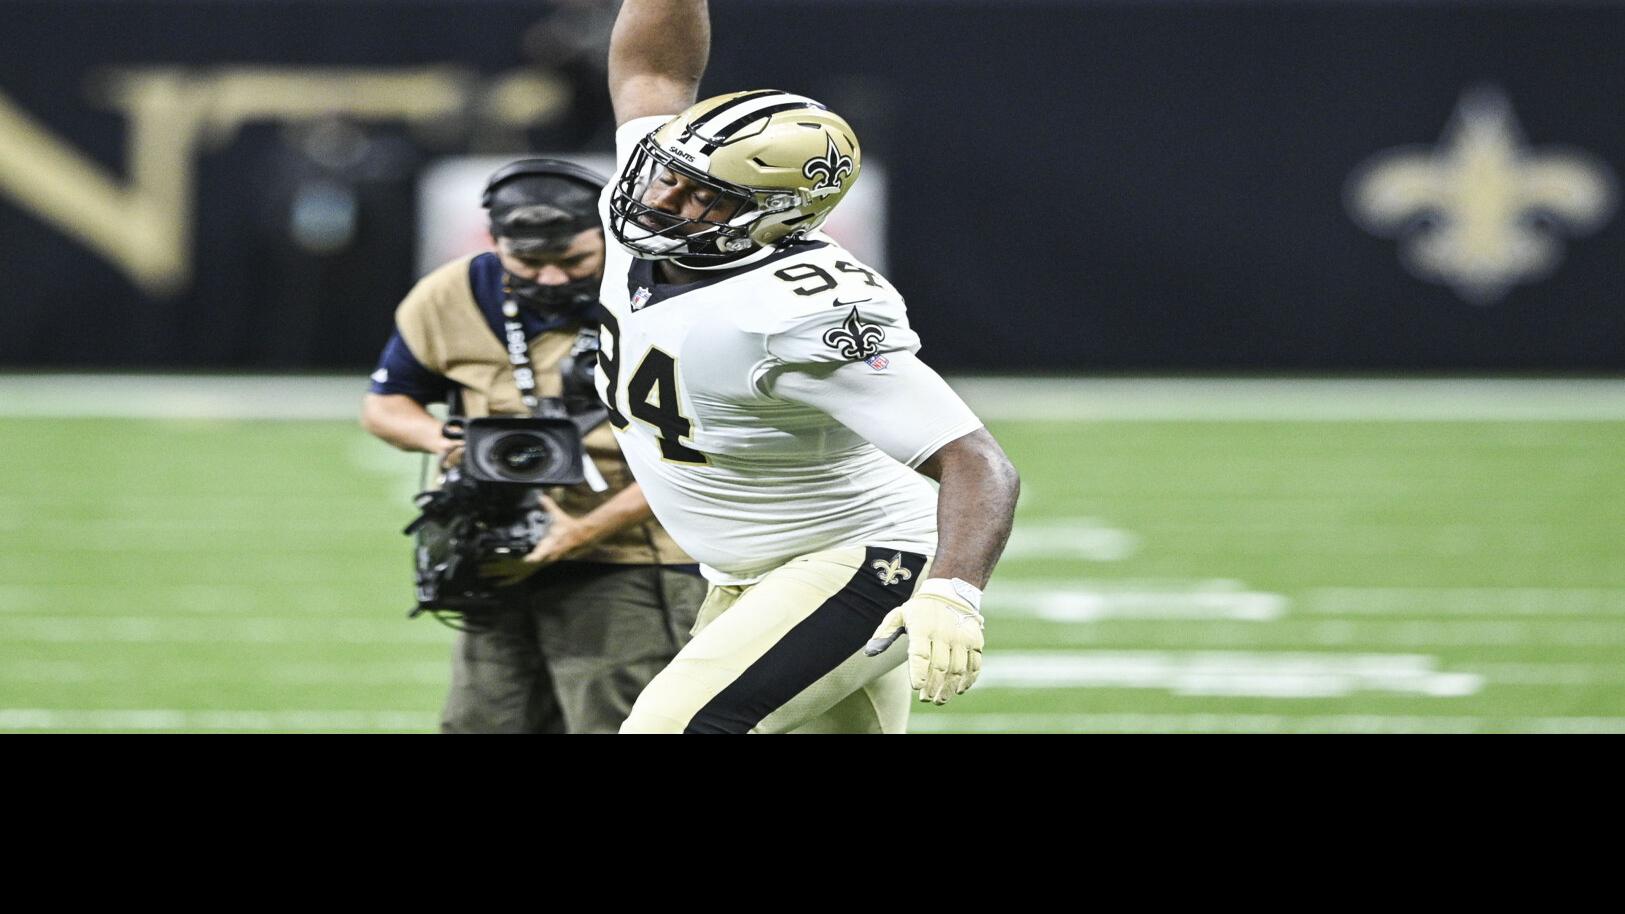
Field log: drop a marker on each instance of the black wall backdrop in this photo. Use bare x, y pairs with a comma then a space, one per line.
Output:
1136, 186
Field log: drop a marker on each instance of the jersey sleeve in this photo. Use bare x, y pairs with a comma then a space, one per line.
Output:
400, 372
843, 332
897, 403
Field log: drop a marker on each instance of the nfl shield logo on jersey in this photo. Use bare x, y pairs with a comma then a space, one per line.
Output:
640, 298
877, 362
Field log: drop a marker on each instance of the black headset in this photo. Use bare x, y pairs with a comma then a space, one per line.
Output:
537, 168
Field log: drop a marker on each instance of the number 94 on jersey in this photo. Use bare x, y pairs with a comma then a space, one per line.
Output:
651, 395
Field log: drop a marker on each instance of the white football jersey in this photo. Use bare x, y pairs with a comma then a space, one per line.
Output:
774, 410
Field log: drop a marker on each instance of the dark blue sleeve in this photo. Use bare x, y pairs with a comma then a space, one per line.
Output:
400, 372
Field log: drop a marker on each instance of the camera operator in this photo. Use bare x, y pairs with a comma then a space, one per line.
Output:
614, 597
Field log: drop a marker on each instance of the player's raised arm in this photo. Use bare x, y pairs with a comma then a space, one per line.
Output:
657, 55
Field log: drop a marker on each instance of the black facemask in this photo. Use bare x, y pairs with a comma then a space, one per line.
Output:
571, 300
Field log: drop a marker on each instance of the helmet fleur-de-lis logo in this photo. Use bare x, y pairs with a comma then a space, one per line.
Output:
893, 571
1481, 211
829, 170
854, 339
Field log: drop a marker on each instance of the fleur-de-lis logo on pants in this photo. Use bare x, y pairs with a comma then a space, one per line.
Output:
854, 339
829, 170
893, 571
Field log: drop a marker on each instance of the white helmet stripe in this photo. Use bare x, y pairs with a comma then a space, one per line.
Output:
741, 114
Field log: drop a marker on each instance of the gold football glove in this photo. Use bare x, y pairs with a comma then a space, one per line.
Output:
944, 638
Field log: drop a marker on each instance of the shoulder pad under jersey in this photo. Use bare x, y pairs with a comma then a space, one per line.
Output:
826, 307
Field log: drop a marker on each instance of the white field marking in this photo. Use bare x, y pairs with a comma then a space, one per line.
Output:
1466, 601
1068, 399
1453, 542
930, 722
206, 548
337, 519
14, 719
1073, 537
1228, 673
205, 630
111, 598
1216, 599
182, 396
1550, 674
1293, 399
385, 673
1110, 668
198, 508
24, 719
1345, 633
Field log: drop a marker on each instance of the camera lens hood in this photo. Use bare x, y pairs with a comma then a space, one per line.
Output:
523, 451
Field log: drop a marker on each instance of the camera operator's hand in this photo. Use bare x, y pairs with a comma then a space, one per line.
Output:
568, 534
506, 572
565, 535
450, 451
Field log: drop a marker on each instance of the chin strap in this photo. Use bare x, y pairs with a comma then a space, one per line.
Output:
757, 255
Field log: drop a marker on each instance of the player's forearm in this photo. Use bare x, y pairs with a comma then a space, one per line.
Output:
976, 506
657, 54
401, 421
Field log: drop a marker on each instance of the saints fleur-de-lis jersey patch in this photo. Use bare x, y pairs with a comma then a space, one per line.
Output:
854, 339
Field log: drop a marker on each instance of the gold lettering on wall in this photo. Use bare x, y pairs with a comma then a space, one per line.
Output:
142, 223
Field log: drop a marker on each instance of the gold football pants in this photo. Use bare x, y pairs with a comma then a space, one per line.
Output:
785, 653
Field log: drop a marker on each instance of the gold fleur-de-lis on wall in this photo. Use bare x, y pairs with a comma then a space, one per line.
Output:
1481, 211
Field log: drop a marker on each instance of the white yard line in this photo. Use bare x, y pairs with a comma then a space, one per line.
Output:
101, 599
1251, 723
1297, 400
160, 396
216, 630
366, 673
358, 721
22, 719
1232, 674
1467, 601
1071, 538
1111, 600
1289, 633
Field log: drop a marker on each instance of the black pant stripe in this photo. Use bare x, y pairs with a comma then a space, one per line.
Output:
836, 630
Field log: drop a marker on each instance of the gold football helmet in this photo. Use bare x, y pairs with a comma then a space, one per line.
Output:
776, 164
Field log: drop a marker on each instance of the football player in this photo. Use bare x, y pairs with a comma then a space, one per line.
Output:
765, 390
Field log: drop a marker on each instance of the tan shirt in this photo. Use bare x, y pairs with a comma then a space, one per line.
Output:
443, 326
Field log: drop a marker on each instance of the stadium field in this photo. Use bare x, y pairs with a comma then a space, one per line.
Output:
224, 555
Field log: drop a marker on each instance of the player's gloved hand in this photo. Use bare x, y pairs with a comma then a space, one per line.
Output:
944, 638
